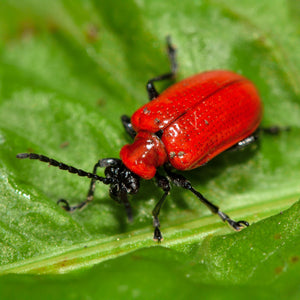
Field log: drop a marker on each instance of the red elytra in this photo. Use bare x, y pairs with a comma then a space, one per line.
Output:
200, 117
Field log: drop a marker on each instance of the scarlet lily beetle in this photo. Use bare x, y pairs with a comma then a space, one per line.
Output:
183, 128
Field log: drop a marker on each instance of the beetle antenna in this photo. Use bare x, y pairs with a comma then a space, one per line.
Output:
62, 166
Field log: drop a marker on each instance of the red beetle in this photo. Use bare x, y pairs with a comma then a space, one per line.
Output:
183, 128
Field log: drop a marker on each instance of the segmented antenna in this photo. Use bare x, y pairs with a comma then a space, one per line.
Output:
62, 166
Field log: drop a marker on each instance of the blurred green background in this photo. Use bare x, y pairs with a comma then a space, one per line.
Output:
68, 71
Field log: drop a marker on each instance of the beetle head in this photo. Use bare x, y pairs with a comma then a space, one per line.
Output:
123, 182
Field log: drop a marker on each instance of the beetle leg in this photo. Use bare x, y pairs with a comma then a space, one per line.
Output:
164, 184
127, 205
245, 142
128, 126
181, 181
274, 129
90, 195
152, 92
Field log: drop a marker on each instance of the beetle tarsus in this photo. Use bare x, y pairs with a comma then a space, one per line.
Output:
157, 237
69, 208
66, 205
243, 224
235, 225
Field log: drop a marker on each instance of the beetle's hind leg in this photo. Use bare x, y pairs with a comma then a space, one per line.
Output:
152, 92
245, 142
272, 130
181, 181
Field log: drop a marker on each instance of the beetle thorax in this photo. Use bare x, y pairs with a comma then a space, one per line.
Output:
144, 155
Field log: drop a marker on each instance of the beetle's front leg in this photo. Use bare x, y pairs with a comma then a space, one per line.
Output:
90, 195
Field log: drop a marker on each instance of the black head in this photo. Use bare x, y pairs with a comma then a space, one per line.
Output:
122, 182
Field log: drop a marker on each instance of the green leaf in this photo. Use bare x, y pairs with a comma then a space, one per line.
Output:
240, 265
68, 71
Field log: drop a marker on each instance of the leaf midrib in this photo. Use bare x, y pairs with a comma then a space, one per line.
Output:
90, 253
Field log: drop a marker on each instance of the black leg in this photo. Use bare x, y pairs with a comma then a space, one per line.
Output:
89, 198
152, 92
181, 181
128, 126
102, 163
274, 130
124, 200
245, 142
163, 183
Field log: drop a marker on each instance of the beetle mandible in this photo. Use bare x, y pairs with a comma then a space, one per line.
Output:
182, 128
